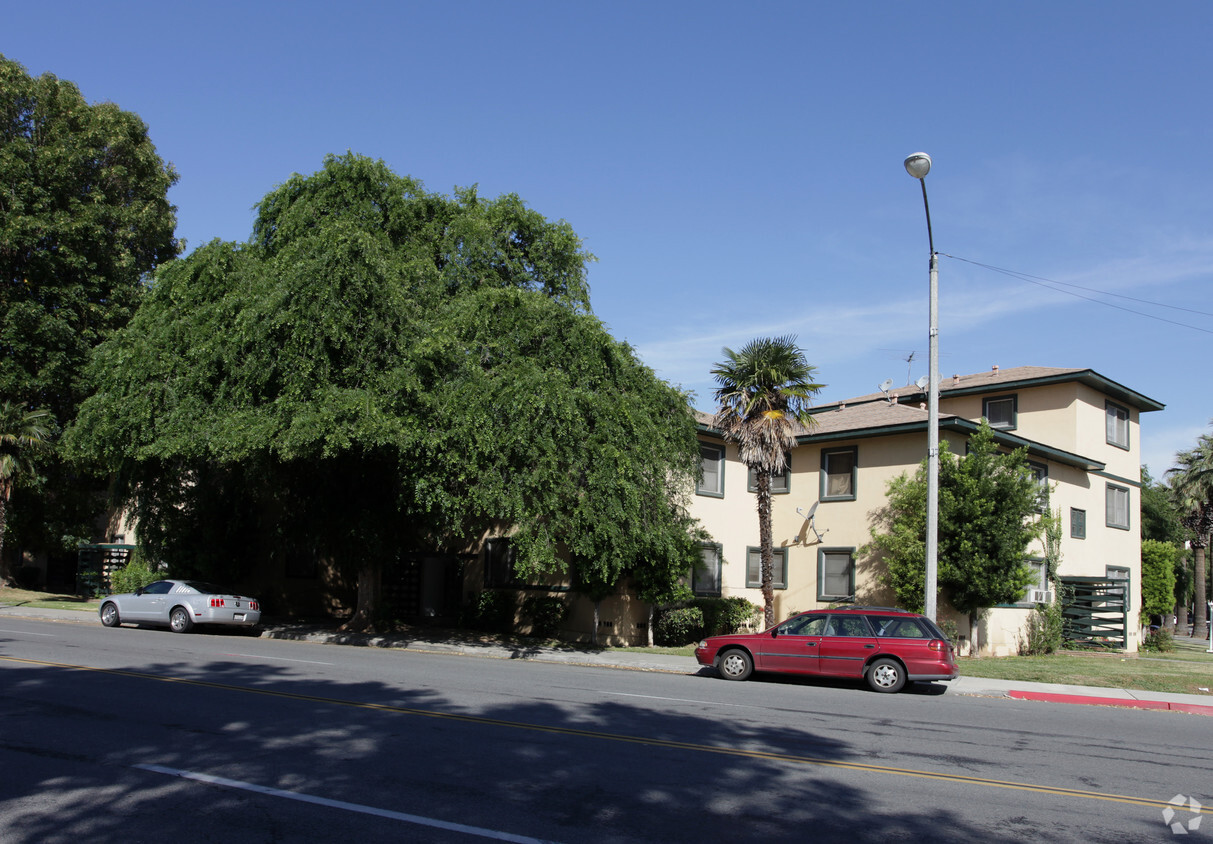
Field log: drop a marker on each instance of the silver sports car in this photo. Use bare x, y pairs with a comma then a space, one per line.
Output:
179, 605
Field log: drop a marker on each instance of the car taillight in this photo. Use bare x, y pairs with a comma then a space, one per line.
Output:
216, 602
936, 645
253, 605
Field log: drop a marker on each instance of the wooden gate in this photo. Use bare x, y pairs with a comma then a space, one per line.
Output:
1095, 612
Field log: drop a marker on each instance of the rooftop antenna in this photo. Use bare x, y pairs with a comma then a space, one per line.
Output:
909, 368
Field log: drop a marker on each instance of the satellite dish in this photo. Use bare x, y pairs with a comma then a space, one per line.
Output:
885, 385
922, 382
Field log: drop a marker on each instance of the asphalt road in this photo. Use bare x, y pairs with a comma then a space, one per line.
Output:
143, 735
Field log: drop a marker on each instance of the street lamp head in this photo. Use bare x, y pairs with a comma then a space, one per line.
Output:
918, 165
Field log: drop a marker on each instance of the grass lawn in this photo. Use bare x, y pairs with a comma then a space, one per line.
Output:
46, 600
1186, 670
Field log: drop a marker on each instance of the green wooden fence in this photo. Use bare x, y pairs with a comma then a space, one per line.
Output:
1095, 612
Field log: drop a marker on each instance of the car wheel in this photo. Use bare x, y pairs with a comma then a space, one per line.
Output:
735, 665
886, 675
179, 620
109, 615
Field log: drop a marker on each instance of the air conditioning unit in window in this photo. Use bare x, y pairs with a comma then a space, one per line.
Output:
1040, 596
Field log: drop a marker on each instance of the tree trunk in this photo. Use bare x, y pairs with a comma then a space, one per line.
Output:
370, 587
766, 546
974, 635
594, 632
652, 616
1200, 630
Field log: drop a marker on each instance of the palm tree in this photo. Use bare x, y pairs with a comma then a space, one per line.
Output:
1192, 486
22, 433
762, 391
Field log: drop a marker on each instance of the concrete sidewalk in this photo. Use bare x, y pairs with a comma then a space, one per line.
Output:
455, 642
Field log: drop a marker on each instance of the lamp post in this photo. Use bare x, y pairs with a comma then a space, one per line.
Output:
918, 165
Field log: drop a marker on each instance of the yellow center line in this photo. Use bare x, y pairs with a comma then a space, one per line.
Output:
619, 737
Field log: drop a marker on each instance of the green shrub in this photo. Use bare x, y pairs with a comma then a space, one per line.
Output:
546, 613
679, 626
1043, 631
1158, 641
726, 615
135, 575
492, 612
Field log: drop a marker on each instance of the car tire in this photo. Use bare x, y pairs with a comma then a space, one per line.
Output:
886, 675
735, 664
109, 614
179, 620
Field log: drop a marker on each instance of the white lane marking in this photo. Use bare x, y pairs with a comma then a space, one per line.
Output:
27, 633
340, 804
281, 659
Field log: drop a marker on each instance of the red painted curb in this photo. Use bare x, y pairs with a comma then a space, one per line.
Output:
1190, 708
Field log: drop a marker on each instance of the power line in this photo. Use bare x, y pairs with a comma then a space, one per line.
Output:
1050, 284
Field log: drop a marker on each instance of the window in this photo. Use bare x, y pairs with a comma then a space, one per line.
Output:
705, 579
1040, 581
804, 625
1117, 425
1119, 573
1040, 474
838, 467
835, 574
498, 562
779, 568
1078, 523
779, 480
1001, 412
711, 459
1117, 505
854, 626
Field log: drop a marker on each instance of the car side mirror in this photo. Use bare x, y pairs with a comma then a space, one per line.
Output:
139, 590
774, 632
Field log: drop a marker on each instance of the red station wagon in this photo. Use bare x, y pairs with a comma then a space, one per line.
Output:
885, 646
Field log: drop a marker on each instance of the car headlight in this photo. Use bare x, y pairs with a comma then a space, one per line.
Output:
703, 644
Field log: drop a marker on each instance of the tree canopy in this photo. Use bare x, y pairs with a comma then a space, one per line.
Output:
381, 368
84, 217
989, 514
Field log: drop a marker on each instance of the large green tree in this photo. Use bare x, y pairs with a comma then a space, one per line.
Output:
382, 369
762, 391
989, 515
1192, 487
84, 217
1158, 579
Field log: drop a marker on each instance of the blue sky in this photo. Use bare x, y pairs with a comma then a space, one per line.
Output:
737, 167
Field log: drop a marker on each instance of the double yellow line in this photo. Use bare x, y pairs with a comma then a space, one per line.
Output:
640, 740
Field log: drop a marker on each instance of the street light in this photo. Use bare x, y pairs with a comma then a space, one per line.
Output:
918, 165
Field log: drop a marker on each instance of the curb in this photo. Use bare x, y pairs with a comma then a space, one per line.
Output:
1050, 697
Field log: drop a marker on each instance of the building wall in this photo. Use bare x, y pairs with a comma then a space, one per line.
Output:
1070, 417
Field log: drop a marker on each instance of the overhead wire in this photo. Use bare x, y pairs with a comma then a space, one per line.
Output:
1051, 284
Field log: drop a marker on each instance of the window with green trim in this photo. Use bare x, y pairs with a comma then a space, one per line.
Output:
839, 473
779, 480
779, 568
1117, 425
835, 574
1002, 412
1117, 504
711, 460
705, 579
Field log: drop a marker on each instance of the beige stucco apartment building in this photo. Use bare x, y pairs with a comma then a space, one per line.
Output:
1081, 430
